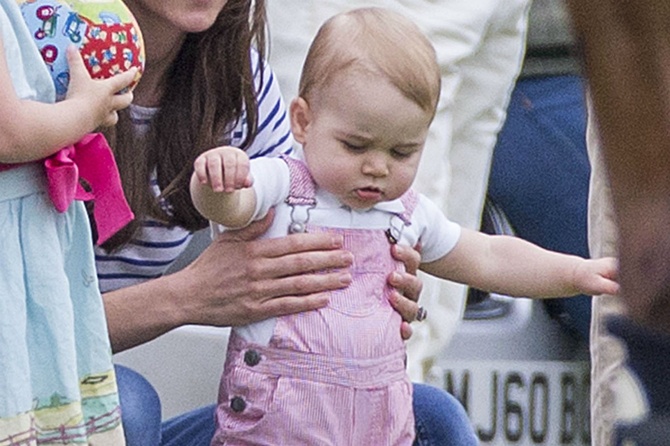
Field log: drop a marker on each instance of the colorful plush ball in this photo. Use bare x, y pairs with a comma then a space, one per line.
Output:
104, 31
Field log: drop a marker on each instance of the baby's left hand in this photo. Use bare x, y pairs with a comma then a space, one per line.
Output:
594, 277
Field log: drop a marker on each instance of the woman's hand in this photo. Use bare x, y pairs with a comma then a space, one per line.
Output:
407, 287
235, 281
238, 279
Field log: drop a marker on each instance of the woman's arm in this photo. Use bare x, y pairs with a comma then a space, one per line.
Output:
238, 280
235, 281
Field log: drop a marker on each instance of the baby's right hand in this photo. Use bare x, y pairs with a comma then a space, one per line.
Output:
225, 169
99, 98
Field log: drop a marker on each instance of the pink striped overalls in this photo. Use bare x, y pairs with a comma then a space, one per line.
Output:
333, 376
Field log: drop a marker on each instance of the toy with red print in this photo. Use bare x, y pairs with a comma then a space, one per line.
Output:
104, 31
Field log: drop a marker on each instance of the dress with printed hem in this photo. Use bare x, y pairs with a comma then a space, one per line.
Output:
57, 384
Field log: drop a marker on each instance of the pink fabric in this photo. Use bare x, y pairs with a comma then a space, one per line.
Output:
302, 398
91, 159
303, 188
333, 376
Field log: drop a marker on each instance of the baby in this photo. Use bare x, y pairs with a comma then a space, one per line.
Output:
336, 375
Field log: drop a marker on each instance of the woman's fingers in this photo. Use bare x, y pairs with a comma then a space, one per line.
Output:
407, 308
304, 263
302, 284
281, 306
411, 257
407, 285
405, 331
292, 255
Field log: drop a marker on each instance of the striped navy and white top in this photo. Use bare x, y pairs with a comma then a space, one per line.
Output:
156, 246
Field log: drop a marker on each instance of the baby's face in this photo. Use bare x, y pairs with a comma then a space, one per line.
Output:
363, 139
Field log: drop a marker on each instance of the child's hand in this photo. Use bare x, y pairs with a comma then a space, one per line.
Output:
597, 276
225, 169
99, 98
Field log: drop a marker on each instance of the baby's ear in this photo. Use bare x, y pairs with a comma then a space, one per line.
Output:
301, 116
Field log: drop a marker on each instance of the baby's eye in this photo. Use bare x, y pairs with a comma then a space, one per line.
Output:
400, 154
352, 147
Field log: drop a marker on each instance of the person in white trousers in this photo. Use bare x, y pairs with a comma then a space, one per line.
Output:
480, 46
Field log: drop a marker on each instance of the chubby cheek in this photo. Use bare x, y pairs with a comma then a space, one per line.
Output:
331, 177
402, 181
397, 189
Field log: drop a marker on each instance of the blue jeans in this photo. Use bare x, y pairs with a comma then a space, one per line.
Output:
540, 176
440, 418
140, 408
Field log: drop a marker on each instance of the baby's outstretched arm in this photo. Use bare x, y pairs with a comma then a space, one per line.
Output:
515, 267
221, 186
31, 130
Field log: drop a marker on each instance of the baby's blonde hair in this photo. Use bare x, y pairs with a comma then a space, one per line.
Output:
379, 41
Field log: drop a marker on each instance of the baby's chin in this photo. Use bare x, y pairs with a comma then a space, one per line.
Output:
364, 202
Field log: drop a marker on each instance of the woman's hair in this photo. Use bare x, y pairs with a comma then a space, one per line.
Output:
205, 93
378, 41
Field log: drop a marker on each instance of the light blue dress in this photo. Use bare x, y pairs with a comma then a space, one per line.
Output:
57, 384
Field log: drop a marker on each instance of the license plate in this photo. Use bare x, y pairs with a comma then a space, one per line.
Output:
522, 402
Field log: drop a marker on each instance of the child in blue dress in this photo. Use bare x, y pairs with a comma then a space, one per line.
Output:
56, 378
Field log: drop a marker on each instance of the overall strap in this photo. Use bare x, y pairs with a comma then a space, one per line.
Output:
301, 196
409, 200
302, 191
399, 221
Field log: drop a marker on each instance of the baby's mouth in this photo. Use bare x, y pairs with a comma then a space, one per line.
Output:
369, 193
